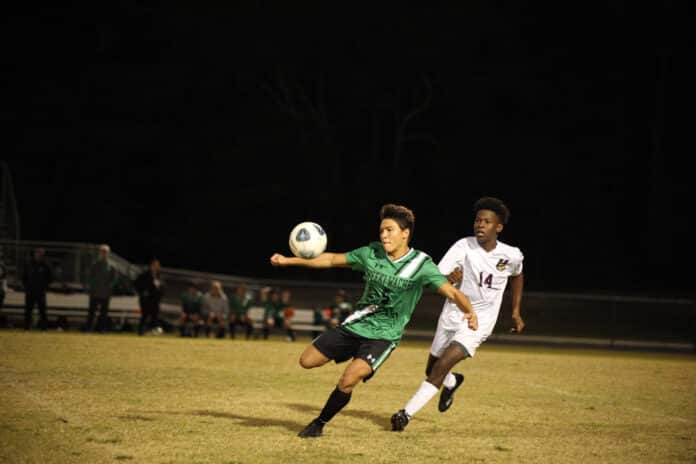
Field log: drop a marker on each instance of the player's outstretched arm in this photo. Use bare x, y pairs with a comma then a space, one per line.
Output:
324, 260
449, 291
516, 286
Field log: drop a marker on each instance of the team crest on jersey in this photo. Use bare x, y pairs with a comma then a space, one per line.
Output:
501, 264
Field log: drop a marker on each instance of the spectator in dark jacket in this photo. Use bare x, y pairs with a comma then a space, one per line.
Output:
150, 288
36, 278
102, 278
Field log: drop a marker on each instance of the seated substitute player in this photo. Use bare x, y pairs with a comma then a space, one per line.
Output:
394, 275
480, 266
191, 303
287, 312
240, 301
272, 312
340, 309
216, 308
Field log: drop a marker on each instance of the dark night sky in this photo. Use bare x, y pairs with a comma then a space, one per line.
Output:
156, 129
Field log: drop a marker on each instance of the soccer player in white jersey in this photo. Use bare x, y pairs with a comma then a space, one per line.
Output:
480, 266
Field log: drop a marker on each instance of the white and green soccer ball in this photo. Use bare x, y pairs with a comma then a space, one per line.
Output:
307, 240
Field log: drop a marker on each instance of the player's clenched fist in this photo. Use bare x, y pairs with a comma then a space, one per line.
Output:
455, 277
278, 260
472, 320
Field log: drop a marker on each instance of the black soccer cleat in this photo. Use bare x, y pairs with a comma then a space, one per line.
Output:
399, 421
314, 429
447, 394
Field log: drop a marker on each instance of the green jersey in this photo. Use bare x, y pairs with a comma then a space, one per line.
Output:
239, 306
191, 303
392, 290
273, 309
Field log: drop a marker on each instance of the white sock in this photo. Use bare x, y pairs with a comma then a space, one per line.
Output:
426, 391
450, 380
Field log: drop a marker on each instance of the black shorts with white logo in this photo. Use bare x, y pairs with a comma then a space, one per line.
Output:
340, 344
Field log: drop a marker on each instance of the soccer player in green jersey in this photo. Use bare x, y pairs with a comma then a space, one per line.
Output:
240, 302
394, 275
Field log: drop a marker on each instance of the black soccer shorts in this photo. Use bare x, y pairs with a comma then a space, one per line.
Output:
341, 345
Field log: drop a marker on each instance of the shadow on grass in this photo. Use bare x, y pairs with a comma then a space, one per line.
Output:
249, 421
135, 418
381, 421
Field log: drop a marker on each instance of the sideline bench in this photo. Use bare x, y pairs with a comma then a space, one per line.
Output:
73, 307
303, 320
122, 309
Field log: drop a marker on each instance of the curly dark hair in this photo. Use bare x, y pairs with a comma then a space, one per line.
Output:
493, 204
401, 214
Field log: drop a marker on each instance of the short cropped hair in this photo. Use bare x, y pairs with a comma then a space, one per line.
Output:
493, 204
401, 214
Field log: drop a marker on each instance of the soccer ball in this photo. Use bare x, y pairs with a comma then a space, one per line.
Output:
307, 240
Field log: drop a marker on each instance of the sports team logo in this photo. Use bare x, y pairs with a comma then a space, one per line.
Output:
501, 264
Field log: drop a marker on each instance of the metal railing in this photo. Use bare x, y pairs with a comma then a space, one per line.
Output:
611, 317
69, 261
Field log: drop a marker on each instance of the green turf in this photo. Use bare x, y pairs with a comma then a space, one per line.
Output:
78, 398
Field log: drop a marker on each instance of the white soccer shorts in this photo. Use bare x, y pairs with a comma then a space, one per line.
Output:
470, 339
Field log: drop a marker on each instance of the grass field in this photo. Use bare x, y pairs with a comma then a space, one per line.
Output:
78, 398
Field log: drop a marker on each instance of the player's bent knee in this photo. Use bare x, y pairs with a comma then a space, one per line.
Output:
306, 362
311, 357
347, 383
356, 371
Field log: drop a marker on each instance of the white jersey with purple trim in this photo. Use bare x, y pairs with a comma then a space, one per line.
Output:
484, 278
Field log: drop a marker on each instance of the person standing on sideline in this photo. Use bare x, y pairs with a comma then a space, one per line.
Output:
101, 281
395, 275
36, 278
480, 265
150, 288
